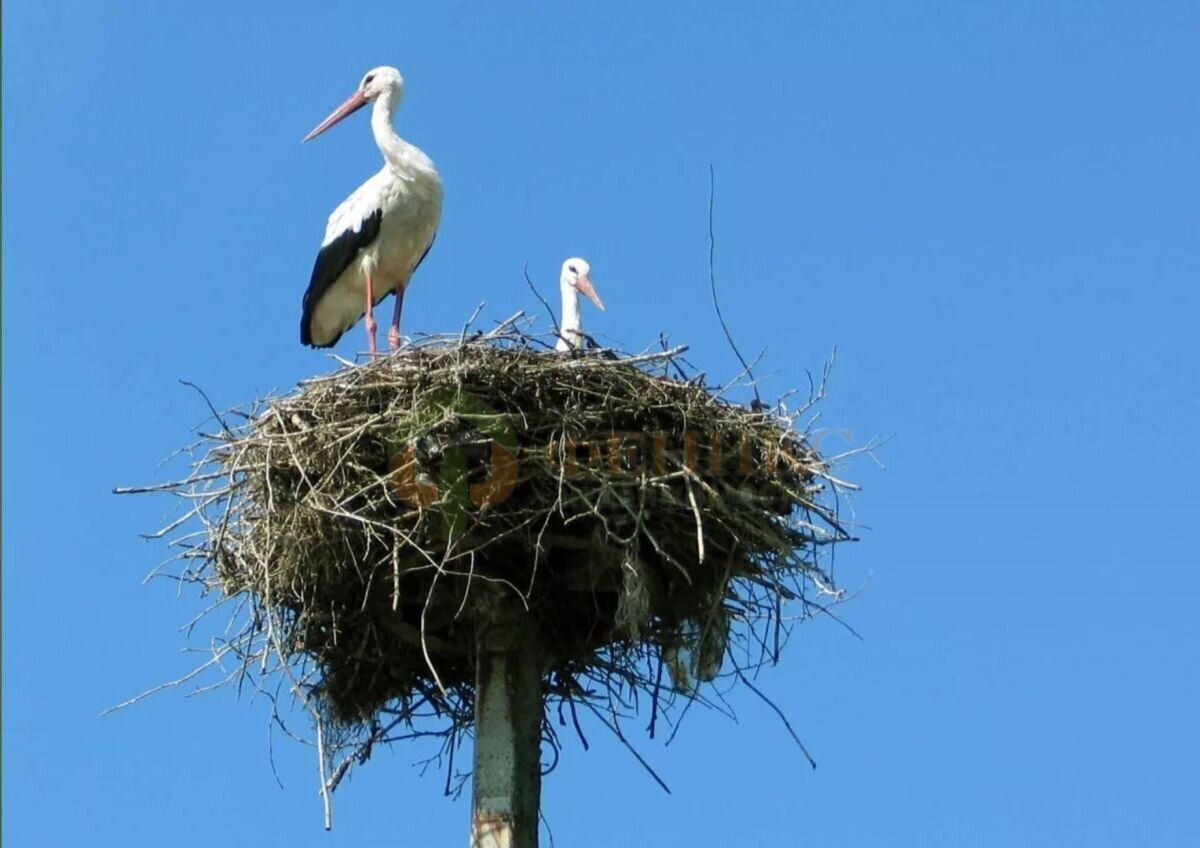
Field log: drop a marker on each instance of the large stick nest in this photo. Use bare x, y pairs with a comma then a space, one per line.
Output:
375, 518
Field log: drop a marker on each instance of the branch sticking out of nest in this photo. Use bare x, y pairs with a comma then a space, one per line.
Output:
375, 517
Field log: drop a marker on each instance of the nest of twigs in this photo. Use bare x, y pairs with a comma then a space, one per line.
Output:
654, 531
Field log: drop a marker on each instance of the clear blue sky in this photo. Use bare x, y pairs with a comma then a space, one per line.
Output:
992, 210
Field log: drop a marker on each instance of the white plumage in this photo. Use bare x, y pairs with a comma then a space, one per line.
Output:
377, 237
574, 280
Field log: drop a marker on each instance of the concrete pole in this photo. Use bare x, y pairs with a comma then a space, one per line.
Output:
508, 728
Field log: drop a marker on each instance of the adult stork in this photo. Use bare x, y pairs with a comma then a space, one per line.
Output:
377, 237
574, 280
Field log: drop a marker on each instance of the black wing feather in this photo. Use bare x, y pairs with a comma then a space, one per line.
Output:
333, 259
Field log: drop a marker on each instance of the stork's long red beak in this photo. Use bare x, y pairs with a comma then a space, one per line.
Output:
584, 284
353, 103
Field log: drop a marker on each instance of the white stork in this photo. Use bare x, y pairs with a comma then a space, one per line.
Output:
377, 237
573, 281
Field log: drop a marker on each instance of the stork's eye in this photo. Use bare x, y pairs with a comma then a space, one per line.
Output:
367, 80
571, 268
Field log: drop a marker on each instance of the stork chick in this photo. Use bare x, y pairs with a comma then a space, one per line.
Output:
573, 281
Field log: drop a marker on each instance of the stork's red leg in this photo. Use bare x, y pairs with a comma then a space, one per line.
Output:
394, 330
370, 321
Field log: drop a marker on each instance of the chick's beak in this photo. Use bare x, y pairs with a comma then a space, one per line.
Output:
584, 285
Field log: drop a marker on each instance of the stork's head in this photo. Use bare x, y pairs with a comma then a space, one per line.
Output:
384, 81
381, 80
576, 276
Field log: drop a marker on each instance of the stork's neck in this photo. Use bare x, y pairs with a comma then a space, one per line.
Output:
572, 319
399, 154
